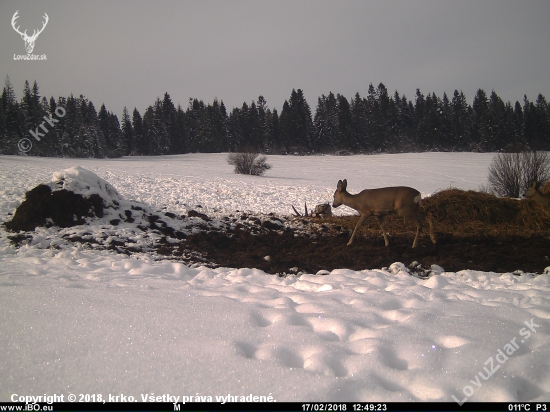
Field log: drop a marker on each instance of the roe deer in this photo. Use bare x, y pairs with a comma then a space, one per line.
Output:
405, 201
538, 196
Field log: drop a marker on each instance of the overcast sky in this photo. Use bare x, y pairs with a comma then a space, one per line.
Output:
128, 53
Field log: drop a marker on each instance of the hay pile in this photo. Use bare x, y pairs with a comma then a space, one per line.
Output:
465, 213
470, 212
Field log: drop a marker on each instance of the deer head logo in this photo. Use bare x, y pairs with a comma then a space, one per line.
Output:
29, 40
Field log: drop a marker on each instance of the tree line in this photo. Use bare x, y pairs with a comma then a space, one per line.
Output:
380, 122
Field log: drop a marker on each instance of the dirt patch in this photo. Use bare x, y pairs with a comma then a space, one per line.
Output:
286, 253
62, 208
473, 230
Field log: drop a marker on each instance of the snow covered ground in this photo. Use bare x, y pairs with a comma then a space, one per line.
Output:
81, 321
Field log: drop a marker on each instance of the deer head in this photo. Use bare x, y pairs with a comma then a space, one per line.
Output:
339, 194
535, 194
29, 40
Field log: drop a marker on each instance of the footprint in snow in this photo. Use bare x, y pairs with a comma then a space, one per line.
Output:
246, 349
259, 320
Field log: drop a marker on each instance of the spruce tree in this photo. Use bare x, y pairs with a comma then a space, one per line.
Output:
360, 122
127, 131
345, 135
140, 146
296, 123
12, 128
326, 137
481, 125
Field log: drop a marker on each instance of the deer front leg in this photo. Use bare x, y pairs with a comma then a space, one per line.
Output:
415, 241
382, 221
417, 219
362, 219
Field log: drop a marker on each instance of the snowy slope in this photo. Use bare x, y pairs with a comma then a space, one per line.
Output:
80, 321
172, 181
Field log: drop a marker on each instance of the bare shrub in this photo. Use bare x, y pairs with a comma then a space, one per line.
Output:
510, 174
248, 163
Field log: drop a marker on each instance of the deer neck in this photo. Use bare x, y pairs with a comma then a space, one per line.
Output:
351, 200
539, 197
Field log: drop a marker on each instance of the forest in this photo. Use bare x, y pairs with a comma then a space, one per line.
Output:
378, 123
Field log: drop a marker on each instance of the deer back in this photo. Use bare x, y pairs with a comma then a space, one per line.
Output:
387, 199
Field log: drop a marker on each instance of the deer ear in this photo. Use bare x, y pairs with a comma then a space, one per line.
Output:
344, 185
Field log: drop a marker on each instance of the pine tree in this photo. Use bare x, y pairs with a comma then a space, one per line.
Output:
326, 137
274, 139
481, 124
501, 124
254, 129
170, 126
234, 131
161, 138
150, 132
218, 122
127, 131
140, 145
103, 119
51, 148
542, 112
285, 125
460, 122
90, 134
360, 122
345, 135
181, 131
378, 105
296, 123
430, 136
11, 129
263, 115
405, 124
445, 136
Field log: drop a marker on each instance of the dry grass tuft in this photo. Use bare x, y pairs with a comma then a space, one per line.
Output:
469, 212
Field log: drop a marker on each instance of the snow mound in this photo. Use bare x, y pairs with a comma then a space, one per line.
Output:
86, 183
436, 282
76, 197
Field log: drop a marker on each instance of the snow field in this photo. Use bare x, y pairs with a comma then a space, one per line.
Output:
172, 182
82, 321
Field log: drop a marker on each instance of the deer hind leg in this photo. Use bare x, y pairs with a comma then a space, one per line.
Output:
414, 216
382, 221
361, 220
418, 222
418, 218
431, 224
